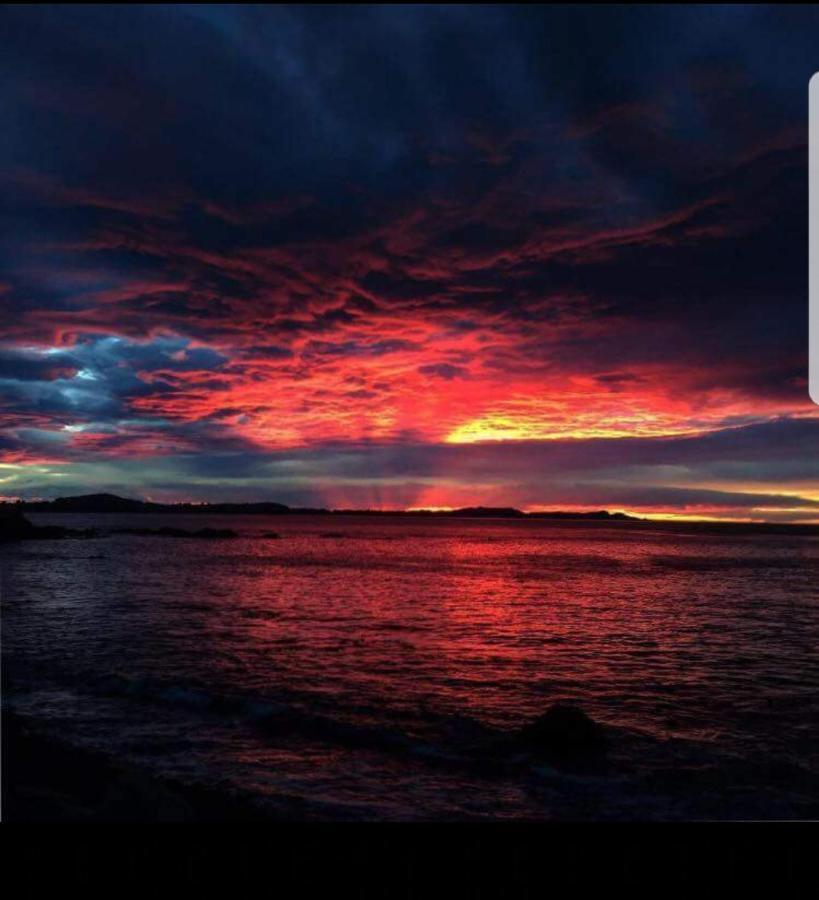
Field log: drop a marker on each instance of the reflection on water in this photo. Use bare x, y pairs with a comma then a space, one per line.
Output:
342, 672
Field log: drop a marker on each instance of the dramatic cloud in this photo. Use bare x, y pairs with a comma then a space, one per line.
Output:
409, 256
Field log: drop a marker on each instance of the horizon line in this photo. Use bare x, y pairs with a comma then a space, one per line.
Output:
534, 512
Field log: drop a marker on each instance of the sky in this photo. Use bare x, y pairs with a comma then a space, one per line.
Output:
410, 256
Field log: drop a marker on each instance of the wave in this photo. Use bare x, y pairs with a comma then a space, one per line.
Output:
272, 716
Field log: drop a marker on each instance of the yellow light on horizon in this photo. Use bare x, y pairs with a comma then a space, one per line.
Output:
538, 419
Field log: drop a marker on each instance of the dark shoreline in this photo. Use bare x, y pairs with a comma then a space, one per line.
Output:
93, 504
101, 504
46, 780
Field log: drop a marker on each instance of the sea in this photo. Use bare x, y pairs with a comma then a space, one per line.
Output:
374, 668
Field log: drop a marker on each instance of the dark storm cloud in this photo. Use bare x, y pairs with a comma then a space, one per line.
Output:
207, 117
321, 97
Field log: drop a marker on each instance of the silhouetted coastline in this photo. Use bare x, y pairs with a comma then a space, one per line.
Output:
111, 503
94, 504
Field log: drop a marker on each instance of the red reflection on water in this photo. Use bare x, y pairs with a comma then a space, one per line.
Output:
491, 620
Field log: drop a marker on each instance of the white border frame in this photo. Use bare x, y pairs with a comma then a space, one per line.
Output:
813, 237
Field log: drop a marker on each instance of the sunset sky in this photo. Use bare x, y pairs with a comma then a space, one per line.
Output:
408, 257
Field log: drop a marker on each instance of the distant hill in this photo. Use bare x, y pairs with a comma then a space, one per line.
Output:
92, 503
598, 515
487, 512
111, 503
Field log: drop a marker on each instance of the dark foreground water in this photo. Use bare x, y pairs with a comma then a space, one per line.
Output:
349, 668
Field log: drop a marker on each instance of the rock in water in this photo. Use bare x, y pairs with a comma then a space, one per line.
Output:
167, 531
564, 731
214, 533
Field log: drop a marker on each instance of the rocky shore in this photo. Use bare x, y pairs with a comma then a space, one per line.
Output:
46, 780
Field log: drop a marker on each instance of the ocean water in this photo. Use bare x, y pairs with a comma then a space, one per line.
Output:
350, 668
